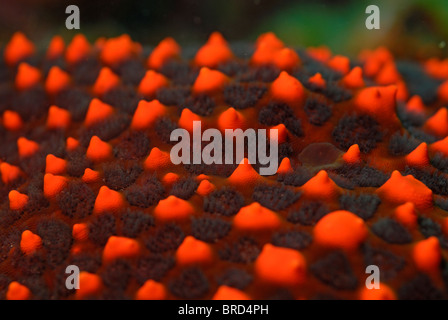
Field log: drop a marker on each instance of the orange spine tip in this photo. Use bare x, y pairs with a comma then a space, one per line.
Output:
90, 176
151, 290
157, 159
30, 242
406, 214
12, 120
214, 52
55, 48
438, 123
280, 266
26, 147
9, 172
55, 165
17, 200
442, 91
170, 178
415, 104
340, 229
288, 89
286, 59
209, 80
173, 208
108, 200
229, 293
187, 118
269, 39
322, 53
98, 111
57, 80
380, 102
384, 292
440, 146
151, 82
353, 79
205, 187
437, 68
120, 247
401, 189
167, 49
285, 166
58, 118
72, 144
231, 119
282, 133
353, 155
317, 81
147, 113
388, 74
340, 64
53, 185
89, 285
106, 81
80, 231
320, 186
244, 174
17, 291
118, 49
78, 49
419, 156
27, 76
427, 255
18, 48
193, 251
98, 150
254, 217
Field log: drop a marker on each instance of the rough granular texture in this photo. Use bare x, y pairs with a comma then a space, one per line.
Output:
87, 179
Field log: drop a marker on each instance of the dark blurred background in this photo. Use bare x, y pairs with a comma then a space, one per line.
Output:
410, 28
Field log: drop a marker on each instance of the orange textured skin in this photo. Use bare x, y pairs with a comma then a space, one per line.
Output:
87, 176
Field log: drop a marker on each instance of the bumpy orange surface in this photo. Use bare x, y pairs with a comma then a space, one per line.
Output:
87, 180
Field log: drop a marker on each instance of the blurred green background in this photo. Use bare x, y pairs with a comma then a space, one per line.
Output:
410, 28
